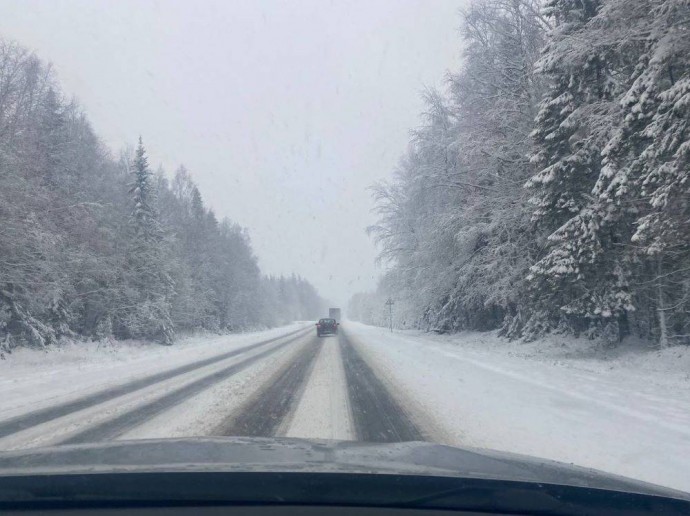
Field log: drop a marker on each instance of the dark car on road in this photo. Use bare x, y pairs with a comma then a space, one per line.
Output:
326, 327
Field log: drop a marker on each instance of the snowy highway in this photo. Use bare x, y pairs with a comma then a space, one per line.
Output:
365, 384
294, 384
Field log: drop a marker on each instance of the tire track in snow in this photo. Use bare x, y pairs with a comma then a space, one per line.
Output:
262, 415
25, 421
377, 416
119, 425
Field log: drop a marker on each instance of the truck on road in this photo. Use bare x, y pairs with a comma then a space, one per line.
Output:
334, 313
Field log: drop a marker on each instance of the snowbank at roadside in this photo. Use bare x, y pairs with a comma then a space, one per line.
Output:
636, 357
563, 399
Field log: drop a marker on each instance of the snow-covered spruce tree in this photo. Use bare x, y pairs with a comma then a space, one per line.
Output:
566, 152
581, 283
647, 163
190, 305
149, 287
200, 239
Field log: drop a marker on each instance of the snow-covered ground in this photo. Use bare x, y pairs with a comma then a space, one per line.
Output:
563, 399
626, 412
31, 379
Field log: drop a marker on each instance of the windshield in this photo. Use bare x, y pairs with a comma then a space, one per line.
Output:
459, 222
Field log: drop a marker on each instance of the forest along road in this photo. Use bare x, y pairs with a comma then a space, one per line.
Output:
295, 384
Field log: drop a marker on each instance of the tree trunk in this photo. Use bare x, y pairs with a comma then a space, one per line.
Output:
661, 307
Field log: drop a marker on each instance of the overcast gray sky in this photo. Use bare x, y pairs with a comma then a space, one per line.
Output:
284, 112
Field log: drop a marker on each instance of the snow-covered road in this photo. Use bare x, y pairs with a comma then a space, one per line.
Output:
272, 383
365, 384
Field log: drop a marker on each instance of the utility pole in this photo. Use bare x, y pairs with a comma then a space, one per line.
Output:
389, 304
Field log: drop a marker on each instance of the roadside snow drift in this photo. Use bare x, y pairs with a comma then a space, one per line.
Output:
628, 415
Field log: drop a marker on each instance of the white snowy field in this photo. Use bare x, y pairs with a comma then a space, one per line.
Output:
560, 399
31, 379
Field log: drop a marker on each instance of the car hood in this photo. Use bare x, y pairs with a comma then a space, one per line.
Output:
240, 454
